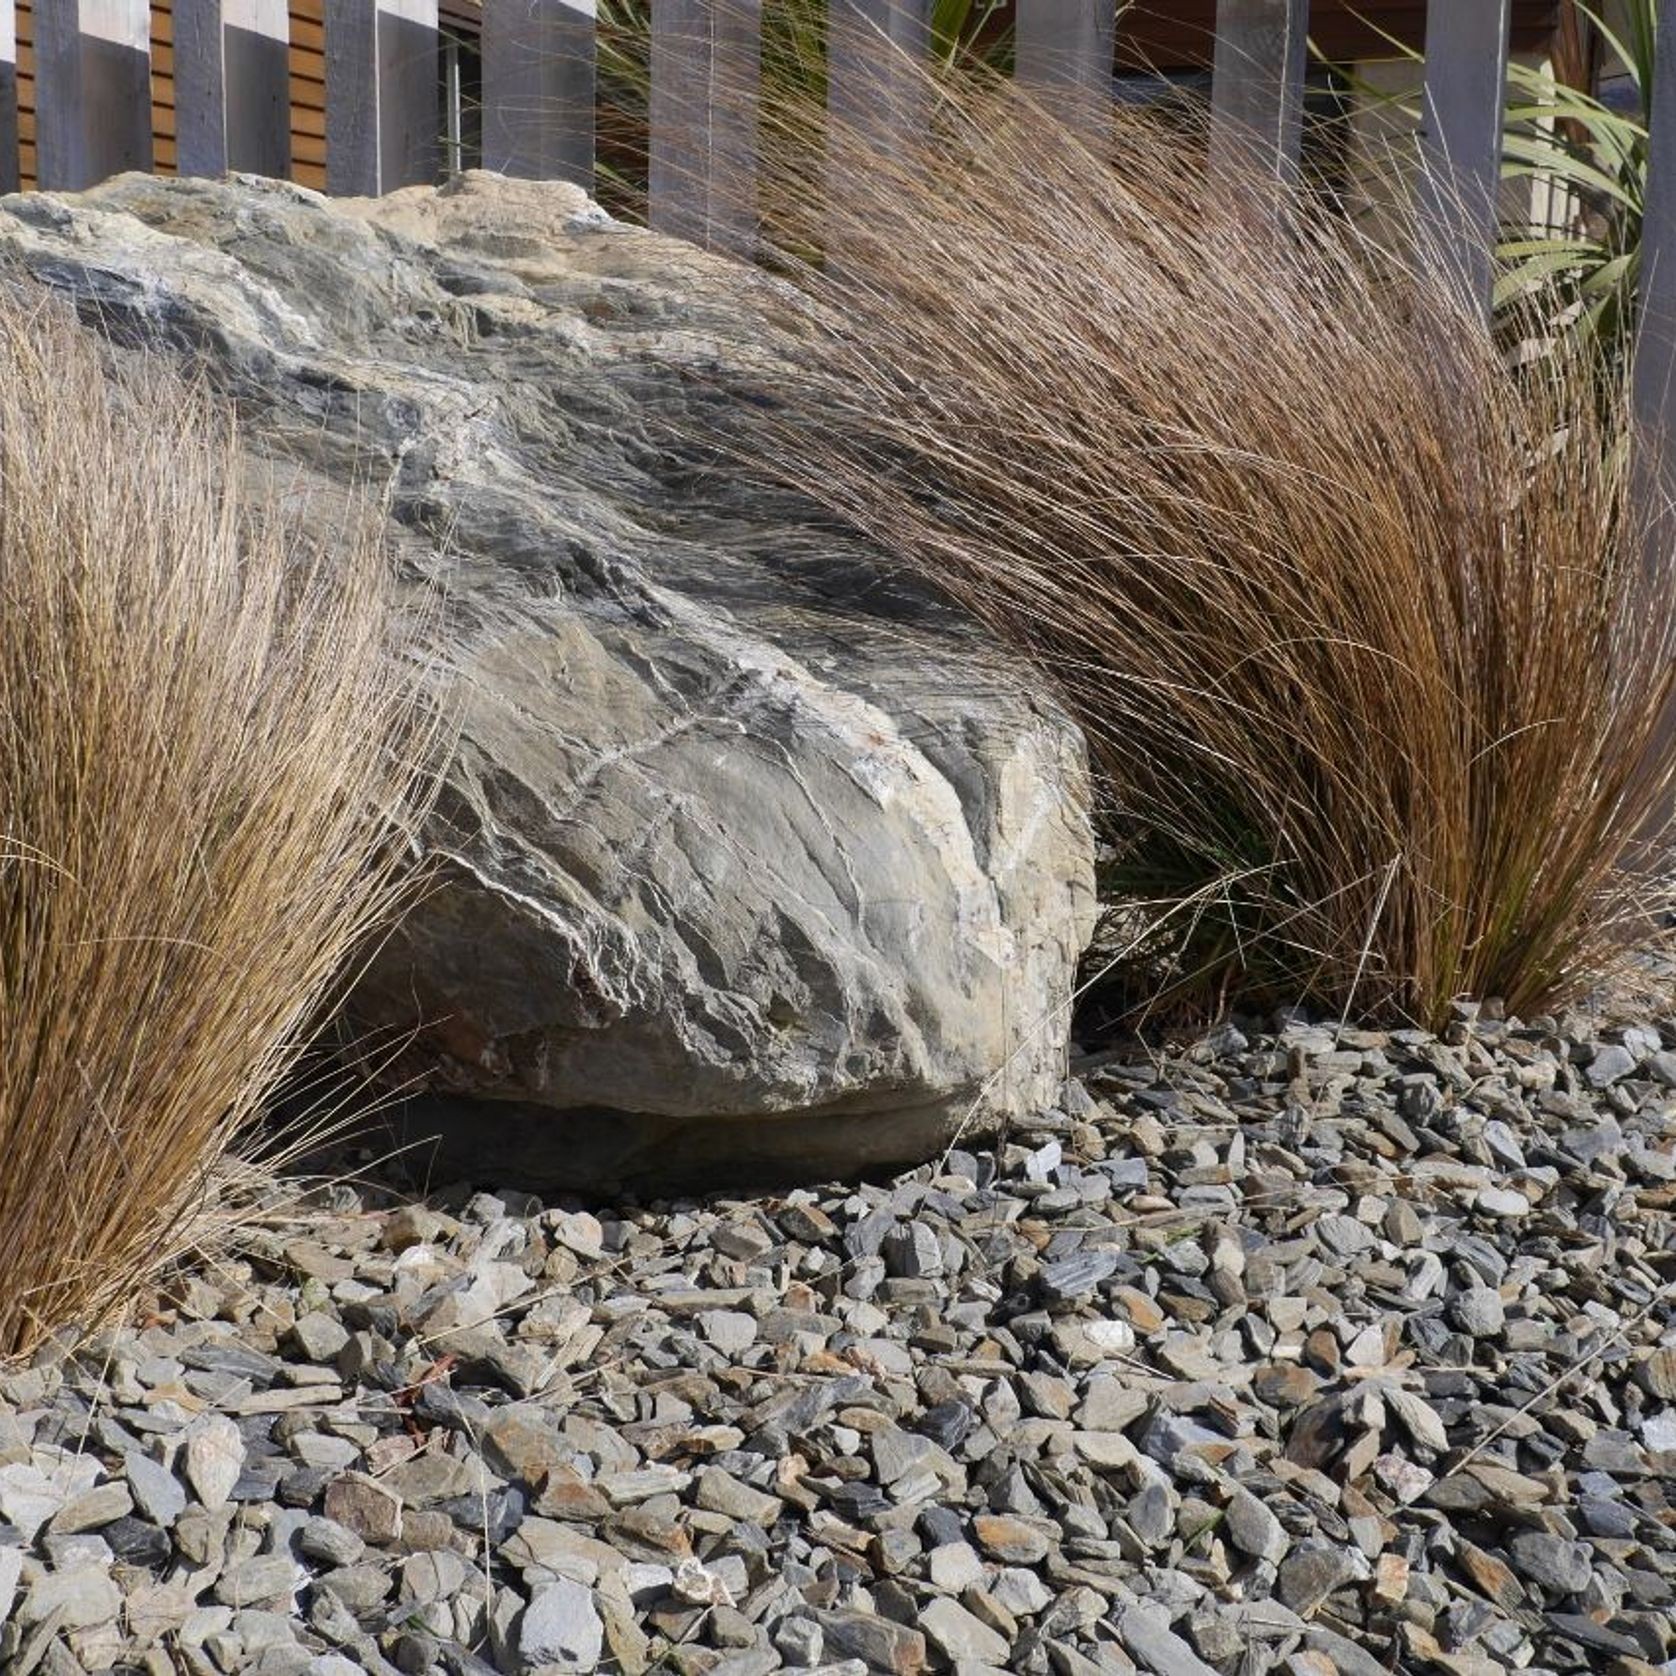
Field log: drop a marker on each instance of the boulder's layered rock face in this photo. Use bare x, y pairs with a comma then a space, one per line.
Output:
749, 856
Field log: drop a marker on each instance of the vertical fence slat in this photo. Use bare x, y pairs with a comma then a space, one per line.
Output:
706, 64
383, 111
1063, 52
352, 98
873, 83
538, 89
409, 100
1460, 139
232, 86
1257, 86
9, 159
92, 90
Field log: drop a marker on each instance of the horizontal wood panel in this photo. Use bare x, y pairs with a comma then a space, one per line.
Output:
309, 125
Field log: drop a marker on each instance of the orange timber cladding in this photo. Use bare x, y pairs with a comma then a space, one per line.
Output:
308, 84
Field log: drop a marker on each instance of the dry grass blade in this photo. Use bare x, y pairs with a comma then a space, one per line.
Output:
1326, 583
206, 750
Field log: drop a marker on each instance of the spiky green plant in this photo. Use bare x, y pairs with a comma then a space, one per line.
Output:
1570, 271
1584, 260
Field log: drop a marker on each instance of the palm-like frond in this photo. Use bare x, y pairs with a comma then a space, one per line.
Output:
1572, 269
1581, 263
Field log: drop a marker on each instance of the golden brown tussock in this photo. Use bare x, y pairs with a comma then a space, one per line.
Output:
206, 749
1368, 646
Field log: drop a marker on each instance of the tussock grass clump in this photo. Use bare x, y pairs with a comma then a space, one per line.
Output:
205, 748
1368, 640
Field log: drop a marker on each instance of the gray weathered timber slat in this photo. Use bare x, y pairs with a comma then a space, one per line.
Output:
409, 114
1460, 139
706, 66
232, 87
1654, 389
352, 98
383, 123
1257, 87
9, 156
538, 89
874, 82
92, 91
1062, 52
200, 87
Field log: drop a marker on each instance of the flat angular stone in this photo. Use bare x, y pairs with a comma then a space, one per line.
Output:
1611, 1063
1254, 1530
1657, 1374
330, 1542
721, 1492
1310, 1574
877, 1642
214, 1458
1558, 1566
1478, 1311
1148, 1639
80, 1598
263, 1577
955, 1566
561, 1626
1077, 1276
159, 1495
92, 1509
365, 1507
960, 1637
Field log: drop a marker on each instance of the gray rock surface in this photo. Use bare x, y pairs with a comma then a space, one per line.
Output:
749, 853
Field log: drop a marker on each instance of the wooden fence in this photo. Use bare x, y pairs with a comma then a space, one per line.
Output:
232, 98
